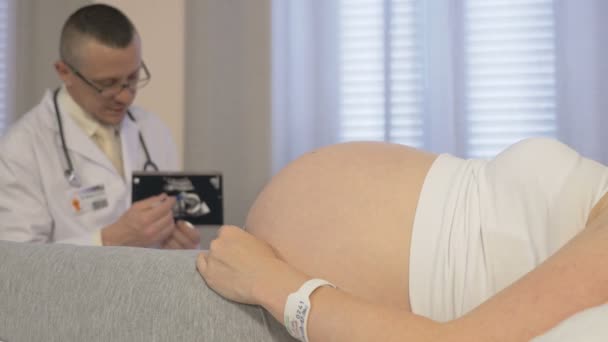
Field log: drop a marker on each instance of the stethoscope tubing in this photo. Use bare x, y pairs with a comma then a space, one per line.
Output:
69, 172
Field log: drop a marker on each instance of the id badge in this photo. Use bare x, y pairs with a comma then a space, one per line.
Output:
88, 199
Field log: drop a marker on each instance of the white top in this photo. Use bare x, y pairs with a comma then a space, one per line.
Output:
481, 225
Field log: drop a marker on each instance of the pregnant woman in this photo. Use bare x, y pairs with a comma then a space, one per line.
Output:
351, 242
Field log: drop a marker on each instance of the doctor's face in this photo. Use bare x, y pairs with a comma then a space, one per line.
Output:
103, 80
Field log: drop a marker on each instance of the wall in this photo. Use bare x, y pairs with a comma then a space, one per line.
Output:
228, 106
163, 52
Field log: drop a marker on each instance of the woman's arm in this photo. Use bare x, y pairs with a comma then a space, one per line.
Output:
573, 279
245, 269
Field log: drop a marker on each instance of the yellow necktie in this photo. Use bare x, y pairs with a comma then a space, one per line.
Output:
108, 140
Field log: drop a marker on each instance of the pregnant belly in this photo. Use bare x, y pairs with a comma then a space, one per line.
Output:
345, 213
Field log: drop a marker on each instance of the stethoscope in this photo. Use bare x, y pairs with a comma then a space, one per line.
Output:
70, 173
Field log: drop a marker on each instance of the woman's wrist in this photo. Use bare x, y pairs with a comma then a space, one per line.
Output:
277, 282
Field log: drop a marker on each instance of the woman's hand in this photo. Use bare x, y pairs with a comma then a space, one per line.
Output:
237, 263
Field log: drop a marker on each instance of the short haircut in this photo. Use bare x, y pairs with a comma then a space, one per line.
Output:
103, 23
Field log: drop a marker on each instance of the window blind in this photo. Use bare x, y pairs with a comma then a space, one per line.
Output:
505, 83
380, 68
509, 73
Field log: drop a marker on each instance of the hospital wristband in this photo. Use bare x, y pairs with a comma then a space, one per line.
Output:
297, 308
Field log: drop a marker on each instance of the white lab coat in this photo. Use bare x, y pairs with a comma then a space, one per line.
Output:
35, 197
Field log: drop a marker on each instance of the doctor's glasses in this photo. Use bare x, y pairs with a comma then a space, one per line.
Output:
112, 87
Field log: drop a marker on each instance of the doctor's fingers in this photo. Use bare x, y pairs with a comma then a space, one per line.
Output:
158, 212
189, 231
159, 230
166, 228
181, 239
150, 202
172, 244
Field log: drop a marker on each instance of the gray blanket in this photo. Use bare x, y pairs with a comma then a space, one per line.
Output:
75, 293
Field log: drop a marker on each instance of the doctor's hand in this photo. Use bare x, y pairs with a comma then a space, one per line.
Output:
147, 223
185, 236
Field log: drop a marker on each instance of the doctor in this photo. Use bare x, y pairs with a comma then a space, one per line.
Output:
66, 165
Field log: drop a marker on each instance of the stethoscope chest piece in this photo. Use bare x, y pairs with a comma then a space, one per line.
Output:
72, 178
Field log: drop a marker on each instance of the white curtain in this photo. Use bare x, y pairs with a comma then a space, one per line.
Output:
582, 74
7, 60
304, 77
431, 83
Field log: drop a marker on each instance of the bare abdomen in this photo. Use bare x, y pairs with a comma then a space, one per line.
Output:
345, 213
